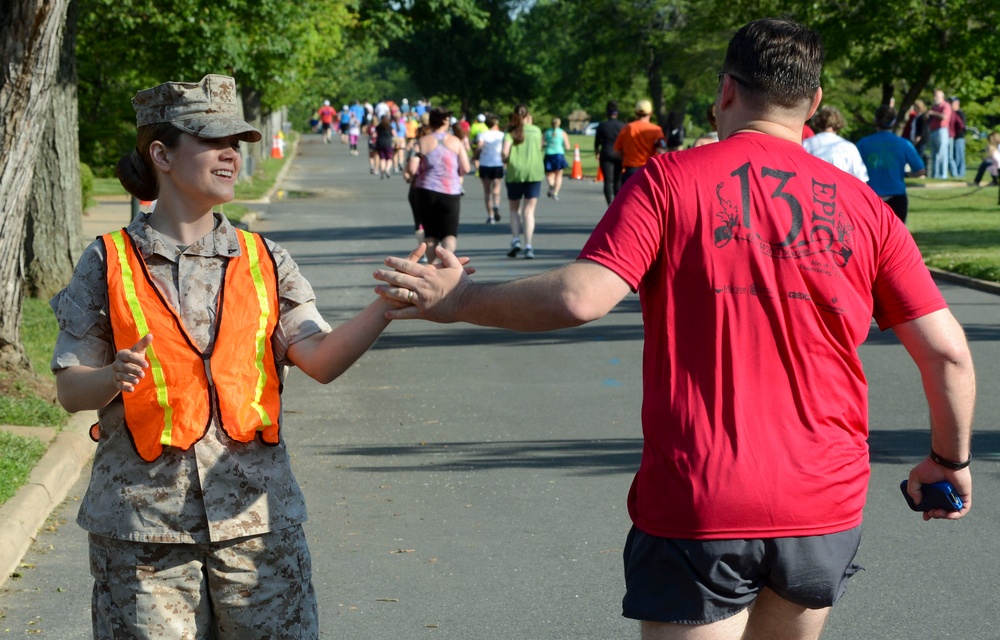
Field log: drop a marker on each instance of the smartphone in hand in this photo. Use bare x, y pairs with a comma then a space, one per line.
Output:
937, 495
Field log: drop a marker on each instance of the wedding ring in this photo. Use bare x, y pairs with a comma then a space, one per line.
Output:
409, 297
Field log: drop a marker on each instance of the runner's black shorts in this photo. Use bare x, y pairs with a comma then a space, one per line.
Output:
437, 211
703, 581
491, 173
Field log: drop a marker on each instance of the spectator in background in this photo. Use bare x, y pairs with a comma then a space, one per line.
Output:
326, 114
359, 112
522, 152
807, 131
712, 135
398, 142
826, 144
384, 147
939, 123
489, 155
479, 126
604, 150
345, 123
991, 161
438, 166
916, 130
639, 140
886, 156
353, 133
957, 132
555, 142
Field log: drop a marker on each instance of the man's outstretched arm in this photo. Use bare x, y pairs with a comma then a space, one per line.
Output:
569, 296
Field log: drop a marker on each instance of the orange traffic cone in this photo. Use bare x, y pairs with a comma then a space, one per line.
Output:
600, 174
276, 151
577, 172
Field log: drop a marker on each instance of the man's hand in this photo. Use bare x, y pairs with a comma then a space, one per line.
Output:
928, 472
431, 292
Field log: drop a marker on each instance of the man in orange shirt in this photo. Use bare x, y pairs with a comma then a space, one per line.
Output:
639, 140
326, 113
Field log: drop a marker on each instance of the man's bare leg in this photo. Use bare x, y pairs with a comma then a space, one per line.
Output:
771, 617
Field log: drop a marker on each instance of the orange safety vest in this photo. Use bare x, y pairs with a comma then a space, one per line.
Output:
172, 405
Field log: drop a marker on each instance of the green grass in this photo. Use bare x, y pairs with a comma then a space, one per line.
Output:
108, 187
28, 401
957, 229
18, 456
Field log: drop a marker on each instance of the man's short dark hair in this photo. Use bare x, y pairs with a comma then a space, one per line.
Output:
776, 60
885, 117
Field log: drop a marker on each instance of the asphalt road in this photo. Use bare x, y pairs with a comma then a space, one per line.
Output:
470, 483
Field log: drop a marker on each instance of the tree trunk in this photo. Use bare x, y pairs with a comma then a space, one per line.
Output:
30, 42
250, 99
55, 208
654, 76
916, 88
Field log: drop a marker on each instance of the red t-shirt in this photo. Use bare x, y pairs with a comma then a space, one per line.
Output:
936, 123
759, 268
326, 114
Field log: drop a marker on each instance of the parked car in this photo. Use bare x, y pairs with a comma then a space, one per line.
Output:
591, 129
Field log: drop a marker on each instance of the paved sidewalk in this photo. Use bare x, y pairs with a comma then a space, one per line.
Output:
470, 483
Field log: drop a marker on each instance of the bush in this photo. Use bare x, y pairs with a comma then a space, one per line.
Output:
87, 186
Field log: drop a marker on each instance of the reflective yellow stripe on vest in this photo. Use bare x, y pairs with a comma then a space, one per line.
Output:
261, 335
155, 367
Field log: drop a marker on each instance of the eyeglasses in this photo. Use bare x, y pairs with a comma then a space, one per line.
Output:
740, 81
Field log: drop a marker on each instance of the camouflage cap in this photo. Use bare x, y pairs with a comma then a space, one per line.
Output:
205, 109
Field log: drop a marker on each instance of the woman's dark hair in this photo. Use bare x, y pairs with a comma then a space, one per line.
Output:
439, 116
776, 61
384, 123
491, 120
516, 128
135, 170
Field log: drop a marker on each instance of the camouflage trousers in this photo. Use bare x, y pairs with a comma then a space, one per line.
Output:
249, 588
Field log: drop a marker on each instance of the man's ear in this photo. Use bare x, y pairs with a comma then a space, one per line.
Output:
727, 93
817, 99
160, 155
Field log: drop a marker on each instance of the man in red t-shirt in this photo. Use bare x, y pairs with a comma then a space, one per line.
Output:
939, 123
759, 268
326, 114
639, 140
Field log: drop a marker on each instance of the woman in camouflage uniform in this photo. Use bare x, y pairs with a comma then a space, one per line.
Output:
193, 513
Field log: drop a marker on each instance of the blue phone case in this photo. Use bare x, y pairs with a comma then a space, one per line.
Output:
937, 495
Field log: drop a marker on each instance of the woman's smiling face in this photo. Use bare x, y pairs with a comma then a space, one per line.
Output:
205, 169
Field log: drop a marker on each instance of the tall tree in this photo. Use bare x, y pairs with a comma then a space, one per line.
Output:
55, 207
30, 44
271, 47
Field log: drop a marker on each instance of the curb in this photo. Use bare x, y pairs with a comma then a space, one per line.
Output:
23, 515
965, 281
